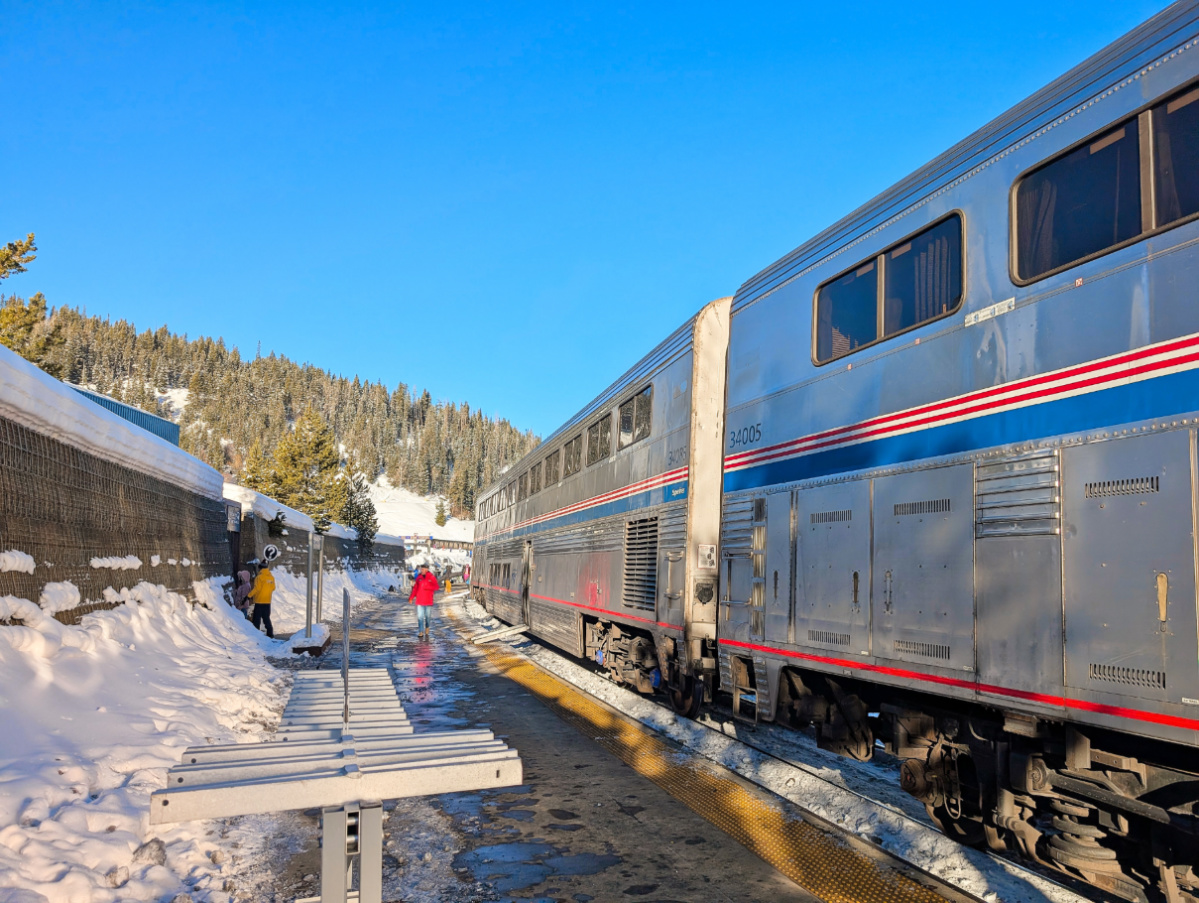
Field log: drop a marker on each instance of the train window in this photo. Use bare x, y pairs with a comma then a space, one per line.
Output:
1080, 204
636, 417
847, 312
522, 487
551, 468
922, 278
599, 440
535, 479
1176, 157
572, 456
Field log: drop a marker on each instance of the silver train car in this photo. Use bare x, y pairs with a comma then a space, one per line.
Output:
929, 484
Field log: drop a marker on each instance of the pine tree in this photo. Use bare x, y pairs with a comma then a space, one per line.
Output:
257, 473
440, 516
306, 467
359, 511
25, 329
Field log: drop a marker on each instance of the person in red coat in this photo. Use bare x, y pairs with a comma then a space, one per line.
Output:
421, 596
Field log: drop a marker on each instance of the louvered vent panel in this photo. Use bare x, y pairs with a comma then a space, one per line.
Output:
928, 506
1018, 495
672, 527
925, 650
1133, 677
1135, 486
830, 517
737, 527
603, 537
828, 638
641, 564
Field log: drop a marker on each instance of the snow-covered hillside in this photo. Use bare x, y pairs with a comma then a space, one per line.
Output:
404, 513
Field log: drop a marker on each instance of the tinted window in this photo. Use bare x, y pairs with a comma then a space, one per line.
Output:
636, 417
1079, 204
599, 440
572, 456
847, 312
522, 487
551, 468
534, 479
1176, 157
922, 278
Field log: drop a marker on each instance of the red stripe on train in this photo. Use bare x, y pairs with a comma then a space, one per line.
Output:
1046, 699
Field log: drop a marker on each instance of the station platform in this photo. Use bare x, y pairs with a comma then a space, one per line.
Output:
610, 810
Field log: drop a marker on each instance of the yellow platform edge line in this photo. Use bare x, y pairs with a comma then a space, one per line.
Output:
821, 863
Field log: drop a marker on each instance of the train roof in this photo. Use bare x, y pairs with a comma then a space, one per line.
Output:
667, 351
1170, 31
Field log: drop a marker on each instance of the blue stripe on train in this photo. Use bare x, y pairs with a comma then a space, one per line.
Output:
671, 492
1164, 396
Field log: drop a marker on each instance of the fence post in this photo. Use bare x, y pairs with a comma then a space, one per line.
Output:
320, 575
308, 588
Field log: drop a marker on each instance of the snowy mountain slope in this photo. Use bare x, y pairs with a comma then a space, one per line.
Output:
402, 512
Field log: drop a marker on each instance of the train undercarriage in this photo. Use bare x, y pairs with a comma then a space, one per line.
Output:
1116, 812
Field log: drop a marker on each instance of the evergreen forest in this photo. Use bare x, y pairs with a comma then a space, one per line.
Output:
238, 405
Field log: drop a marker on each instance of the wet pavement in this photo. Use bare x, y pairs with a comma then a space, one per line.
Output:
585, 826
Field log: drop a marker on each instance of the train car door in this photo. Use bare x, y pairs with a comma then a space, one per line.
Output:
1128, 559
924, 567
779, 566
832, 607
526, 573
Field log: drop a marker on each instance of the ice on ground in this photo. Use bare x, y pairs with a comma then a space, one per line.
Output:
119, 563
14, 560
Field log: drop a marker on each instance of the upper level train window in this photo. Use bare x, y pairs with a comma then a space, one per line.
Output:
551, 468
909, 283
1080, 204
522, 487
1176, 157
922, 278
599, 440
572, 456
636, 417
535, 479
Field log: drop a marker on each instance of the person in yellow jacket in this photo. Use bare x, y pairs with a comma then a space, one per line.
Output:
260, 594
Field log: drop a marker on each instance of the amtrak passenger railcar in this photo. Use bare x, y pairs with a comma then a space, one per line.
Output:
957, 485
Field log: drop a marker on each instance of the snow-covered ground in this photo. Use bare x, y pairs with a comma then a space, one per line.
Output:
821, 789
402, 512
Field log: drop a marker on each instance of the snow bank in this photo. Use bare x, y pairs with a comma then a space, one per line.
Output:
94, 714
404, 513
266, 507
289, 603
12, 560
39, 401
58, 597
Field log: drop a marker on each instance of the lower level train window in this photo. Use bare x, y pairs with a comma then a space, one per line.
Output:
1080, 204
1176, 157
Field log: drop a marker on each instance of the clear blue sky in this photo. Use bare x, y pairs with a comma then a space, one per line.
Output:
507, 204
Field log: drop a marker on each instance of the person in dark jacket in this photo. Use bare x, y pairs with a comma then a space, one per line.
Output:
421, 596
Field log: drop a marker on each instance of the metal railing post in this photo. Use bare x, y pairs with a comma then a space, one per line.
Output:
320, 576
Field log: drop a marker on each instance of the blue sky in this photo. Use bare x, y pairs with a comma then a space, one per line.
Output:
507, 204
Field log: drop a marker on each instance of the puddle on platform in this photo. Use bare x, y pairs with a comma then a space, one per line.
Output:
515, 866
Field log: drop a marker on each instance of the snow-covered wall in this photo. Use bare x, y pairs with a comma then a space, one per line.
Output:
50, 408
90, 504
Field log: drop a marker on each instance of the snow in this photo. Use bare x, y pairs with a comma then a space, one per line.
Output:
13, 560
155, 560
171, 403
58, 597
94, 715
266, 507
289, 603
124, 563
43, 404
402, 512
821, 789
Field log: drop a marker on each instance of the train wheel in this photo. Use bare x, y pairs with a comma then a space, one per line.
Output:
963, 829
687, 697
